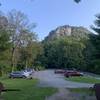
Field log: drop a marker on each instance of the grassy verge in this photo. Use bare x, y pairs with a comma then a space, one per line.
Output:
29, 90
82, 90
83, 93
84, 79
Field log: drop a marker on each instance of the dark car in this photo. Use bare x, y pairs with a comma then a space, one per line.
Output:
59, 71
19, 74
72, 73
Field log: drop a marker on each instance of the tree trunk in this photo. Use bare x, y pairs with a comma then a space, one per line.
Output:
12, 62
26, 64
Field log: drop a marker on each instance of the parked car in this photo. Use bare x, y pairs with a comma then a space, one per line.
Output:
72, 73
59, 71
70, 69
29, 70
19, 74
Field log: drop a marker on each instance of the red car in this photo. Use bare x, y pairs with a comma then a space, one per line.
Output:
72, 73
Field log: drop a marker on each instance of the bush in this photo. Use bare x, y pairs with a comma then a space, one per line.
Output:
96, 68
38, 67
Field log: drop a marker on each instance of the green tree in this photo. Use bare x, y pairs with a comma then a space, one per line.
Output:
64, 53
96, 42
5, 44
77, 1
21, 32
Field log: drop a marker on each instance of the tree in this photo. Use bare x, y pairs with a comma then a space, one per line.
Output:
77, 1
64, 53
27, 54
96, 42
5, 43
20, 30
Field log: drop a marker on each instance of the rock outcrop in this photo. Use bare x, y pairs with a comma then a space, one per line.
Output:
66, 30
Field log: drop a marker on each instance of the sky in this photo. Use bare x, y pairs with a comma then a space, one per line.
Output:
49, 14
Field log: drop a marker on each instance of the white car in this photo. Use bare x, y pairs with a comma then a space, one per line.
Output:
25, 73
29, 71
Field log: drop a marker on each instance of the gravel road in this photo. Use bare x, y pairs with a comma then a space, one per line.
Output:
48, 78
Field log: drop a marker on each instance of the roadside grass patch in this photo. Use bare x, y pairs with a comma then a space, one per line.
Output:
28, 90
83, 79
83, 93
83, 90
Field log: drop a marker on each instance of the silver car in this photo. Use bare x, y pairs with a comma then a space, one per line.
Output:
19, 74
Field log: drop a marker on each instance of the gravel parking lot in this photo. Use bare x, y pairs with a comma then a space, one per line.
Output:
48, 78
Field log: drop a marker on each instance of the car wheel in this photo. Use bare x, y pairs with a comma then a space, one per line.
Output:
67, 76
9, 76
30, 78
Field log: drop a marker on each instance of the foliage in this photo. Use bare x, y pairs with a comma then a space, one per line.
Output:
95, 39
63, 53
21, 32
19, 46
5, 46
4, 40
77, 1
29, 54
39, 67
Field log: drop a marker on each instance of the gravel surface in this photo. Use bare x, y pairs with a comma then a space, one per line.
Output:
65, 94
48, 78
62, 94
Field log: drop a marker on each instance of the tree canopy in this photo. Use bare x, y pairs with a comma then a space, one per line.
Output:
77, 1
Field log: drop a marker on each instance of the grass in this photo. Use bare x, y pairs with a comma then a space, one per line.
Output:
82, 90
29, 90
83, 93
84, 79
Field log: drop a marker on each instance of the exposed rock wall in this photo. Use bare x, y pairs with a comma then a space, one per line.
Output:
66, 30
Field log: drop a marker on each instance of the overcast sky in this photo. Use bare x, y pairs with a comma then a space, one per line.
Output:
49, 14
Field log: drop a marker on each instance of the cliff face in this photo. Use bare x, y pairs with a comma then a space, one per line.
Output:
66, 30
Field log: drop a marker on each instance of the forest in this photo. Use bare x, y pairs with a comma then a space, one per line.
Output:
20, 47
